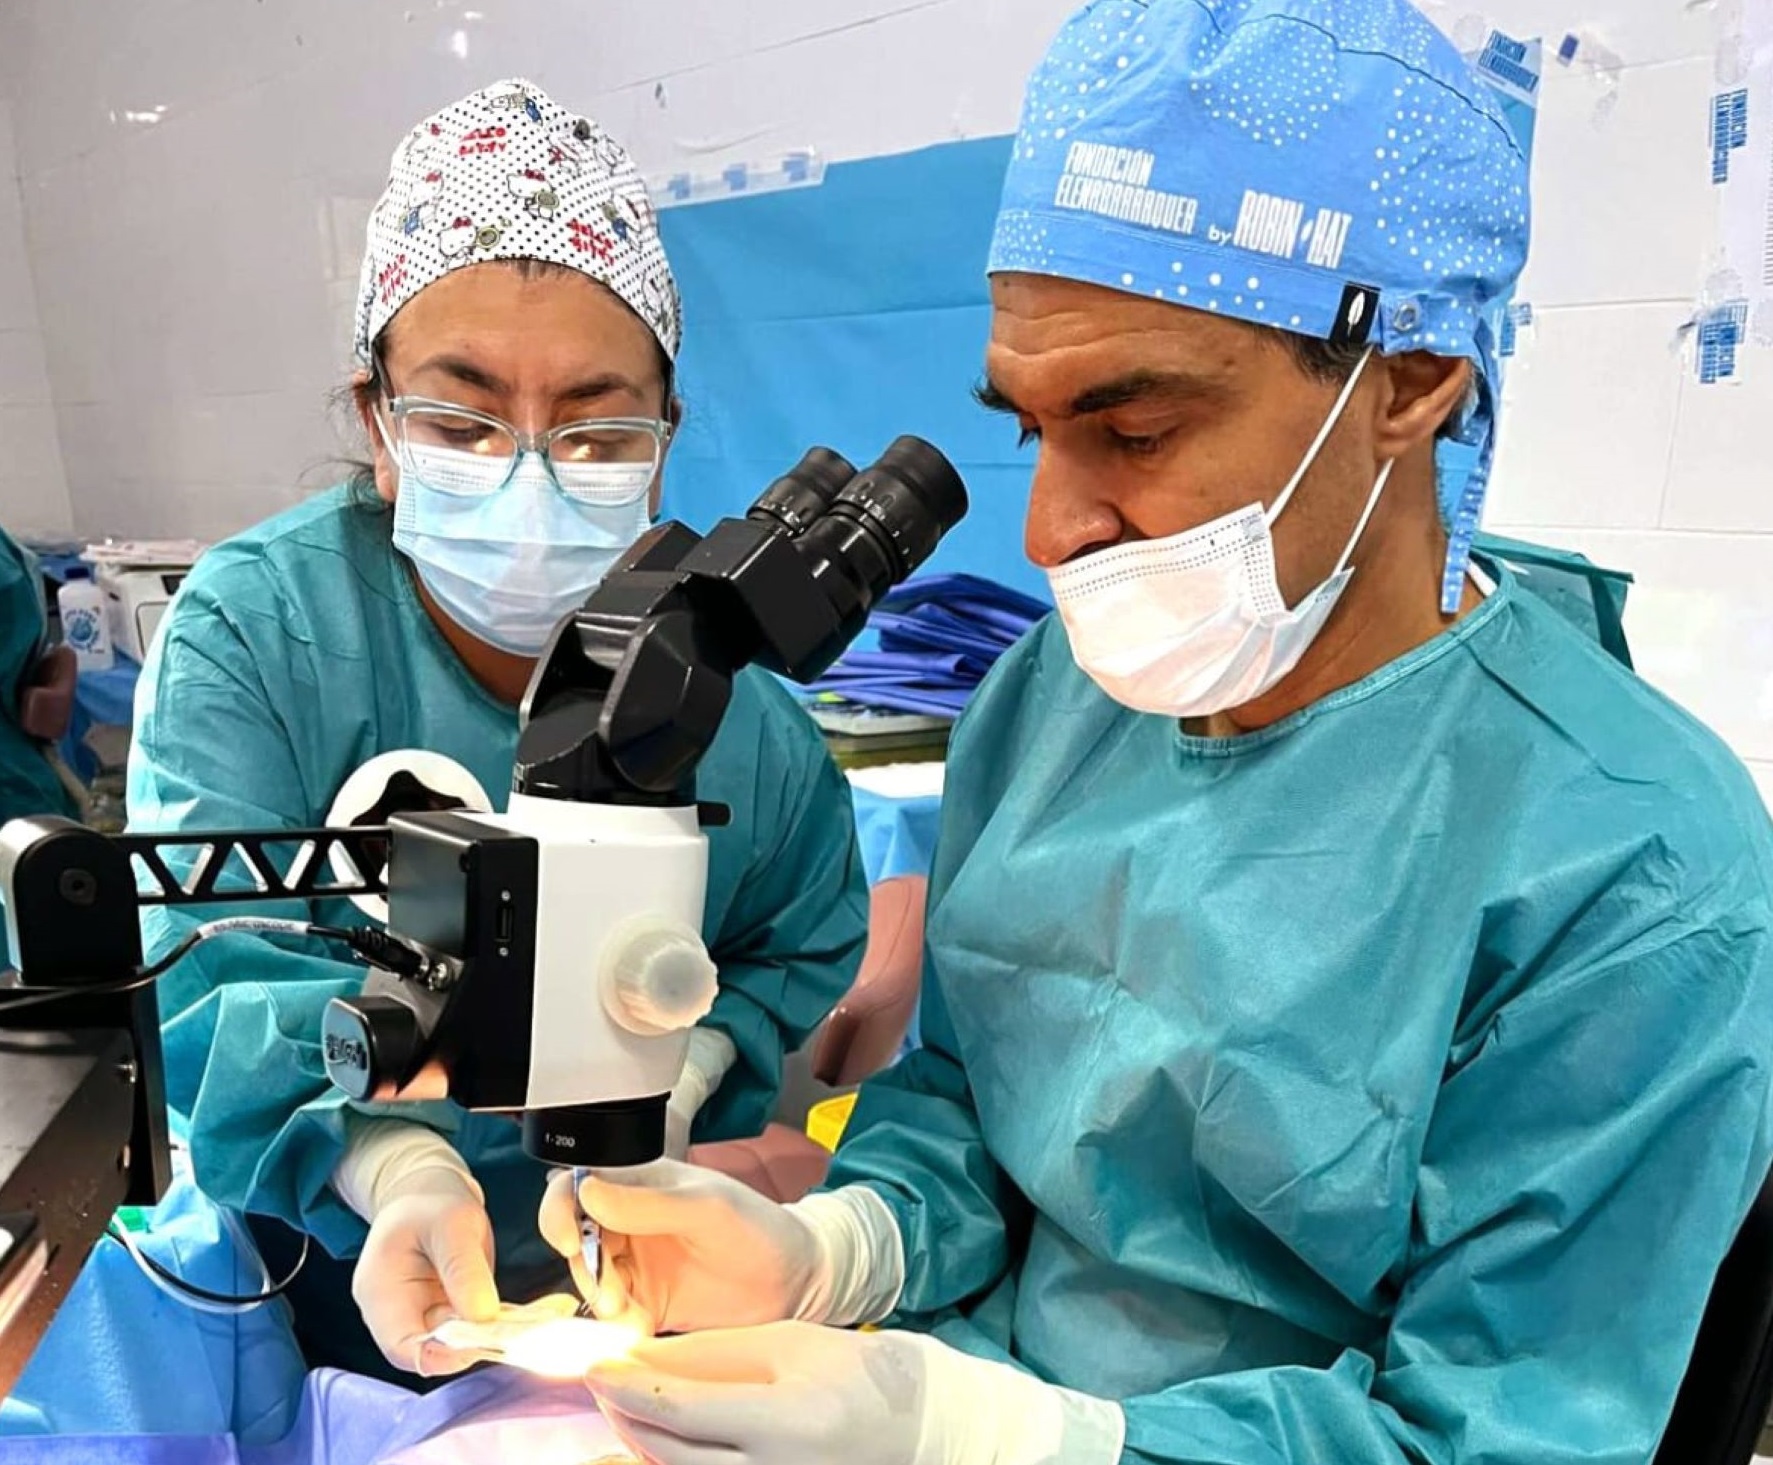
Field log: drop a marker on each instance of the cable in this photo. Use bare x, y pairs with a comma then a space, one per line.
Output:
62, 994
378, 948
245, 1246
201, 1298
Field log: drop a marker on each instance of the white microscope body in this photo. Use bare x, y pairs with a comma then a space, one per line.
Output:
621, 975
605, 940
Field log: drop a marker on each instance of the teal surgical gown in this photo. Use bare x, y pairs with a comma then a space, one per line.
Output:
28, 784
1384, 1086
292, 655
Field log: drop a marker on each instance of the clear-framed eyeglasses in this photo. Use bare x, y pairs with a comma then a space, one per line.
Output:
458, 450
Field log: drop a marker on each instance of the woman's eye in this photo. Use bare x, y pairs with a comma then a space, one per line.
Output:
1027, 435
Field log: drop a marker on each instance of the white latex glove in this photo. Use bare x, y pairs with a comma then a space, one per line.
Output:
794, 1392
686, 1248
710, 1057
429, 1253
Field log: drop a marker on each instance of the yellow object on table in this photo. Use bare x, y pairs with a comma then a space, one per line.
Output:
826, 1121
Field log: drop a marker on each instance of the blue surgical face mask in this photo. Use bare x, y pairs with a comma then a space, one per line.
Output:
509, 563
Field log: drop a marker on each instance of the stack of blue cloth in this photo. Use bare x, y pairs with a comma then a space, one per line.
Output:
935, 638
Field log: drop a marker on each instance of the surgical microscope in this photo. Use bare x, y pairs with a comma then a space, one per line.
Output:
546, 962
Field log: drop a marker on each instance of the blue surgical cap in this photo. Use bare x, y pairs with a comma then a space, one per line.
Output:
1330, 167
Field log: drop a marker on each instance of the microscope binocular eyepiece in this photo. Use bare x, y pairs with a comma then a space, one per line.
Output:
875, 527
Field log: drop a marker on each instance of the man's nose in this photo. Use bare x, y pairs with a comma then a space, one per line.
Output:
1069, 514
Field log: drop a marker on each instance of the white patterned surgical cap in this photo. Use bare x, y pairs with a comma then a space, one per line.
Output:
508, 173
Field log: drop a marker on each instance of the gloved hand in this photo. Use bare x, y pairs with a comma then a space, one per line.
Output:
429, 1253
797, 1392
686, 1248
710, 1057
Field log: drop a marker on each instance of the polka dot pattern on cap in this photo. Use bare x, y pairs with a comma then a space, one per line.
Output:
508, 173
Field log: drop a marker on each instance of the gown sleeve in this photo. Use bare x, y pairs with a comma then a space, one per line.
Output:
792, 939
241, 1013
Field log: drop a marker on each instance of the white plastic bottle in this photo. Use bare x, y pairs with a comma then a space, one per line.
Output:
85, 626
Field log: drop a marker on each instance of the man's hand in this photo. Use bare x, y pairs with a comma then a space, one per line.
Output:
685, 1248
793, 1391
428, 1258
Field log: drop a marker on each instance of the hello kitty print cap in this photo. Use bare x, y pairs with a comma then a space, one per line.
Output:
508, 173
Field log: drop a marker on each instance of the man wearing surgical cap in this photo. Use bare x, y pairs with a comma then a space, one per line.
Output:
1350, 1000
517, 325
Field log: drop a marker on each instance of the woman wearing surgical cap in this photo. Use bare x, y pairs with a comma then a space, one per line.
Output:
516, 330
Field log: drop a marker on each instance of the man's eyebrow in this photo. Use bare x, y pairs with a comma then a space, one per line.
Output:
1122, 391
1138, 386
991, 397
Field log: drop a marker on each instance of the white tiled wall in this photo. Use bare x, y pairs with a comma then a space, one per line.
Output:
196, 173
1610, 443
33, 490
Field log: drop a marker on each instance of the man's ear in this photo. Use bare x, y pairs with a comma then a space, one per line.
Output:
1423, 392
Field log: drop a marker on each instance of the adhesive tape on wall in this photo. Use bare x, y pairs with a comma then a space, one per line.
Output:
403, 782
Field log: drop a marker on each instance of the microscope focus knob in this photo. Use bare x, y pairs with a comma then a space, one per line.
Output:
368, 1043
657, 976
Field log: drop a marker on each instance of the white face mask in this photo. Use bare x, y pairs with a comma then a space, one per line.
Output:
509, 565
1196, 623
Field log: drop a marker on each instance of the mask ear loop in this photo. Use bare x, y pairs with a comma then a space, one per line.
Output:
1323, 436
1366, 514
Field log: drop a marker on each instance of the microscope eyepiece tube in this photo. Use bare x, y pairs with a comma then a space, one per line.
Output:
800, 496
881, 526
